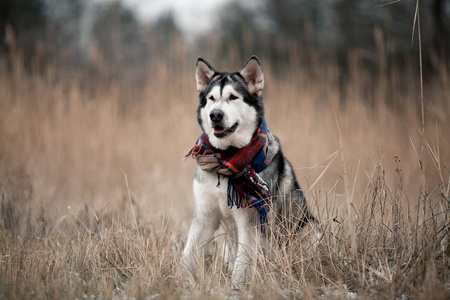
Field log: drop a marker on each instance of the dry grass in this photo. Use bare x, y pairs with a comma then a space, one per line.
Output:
96, 200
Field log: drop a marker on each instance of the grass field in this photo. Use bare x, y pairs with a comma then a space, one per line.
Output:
96, 200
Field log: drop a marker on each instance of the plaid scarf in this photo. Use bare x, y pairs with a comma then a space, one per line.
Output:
245, 187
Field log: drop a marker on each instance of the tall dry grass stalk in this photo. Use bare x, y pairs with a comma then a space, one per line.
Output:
96, 200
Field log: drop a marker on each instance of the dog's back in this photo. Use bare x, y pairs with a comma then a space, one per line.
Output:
287, 197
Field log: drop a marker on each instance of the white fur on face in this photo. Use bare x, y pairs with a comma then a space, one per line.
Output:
235, 111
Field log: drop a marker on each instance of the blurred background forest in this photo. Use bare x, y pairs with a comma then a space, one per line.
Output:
111, 41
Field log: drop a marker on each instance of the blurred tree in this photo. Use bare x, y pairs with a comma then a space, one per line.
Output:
65, 21
299, 25
119, 42
165, 28
441, 36
292, 17
25, 20
233, 37
238, 33
164, 39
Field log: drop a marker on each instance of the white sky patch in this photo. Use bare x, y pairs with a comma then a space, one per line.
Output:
192, 17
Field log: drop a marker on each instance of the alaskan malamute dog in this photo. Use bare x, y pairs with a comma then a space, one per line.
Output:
241, 169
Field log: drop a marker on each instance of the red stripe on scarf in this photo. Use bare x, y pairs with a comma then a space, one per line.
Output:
239, 159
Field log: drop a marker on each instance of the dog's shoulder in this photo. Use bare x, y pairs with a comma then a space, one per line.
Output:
280, 172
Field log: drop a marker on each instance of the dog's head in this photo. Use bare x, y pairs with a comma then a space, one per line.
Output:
231, 108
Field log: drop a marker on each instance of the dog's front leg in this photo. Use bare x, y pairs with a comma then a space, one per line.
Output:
230, 243
199, 239
246, 249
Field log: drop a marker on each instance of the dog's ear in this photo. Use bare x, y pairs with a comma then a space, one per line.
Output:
203, 74
253, 75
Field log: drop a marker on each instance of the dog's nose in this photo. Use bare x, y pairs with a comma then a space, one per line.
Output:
216, 115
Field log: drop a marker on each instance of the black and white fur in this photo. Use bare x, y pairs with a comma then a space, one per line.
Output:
230, 111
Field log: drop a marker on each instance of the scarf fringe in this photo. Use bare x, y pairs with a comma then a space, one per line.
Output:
234, 197
242, 201
259, 206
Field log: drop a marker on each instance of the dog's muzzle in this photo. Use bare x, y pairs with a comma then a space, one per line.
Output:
220, 131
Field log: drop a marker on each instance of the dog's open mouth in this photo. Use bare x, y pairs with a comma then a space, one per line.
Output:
221, 132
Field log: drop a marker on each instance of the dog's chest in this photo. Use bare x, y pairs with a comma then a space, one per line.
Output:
210, 193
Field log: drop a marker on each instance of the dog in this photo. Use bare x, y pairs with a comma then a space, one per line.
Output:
241, 169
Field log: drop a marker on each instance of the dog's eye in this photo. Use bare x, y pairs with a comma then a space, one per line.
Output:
233, 97
211, 98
